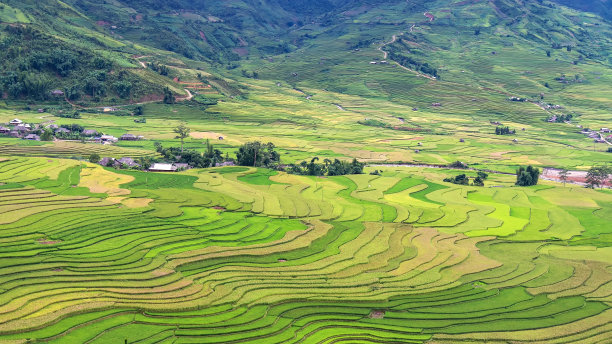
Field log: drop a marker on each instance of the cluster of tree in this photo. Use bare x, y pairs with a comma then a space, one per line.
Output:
34, 63
210, 158
247, 74
463, 179
527, 176
363, 43
169, 97
597, 176
409, 62
328, 167
159, 68
258, 154
504, 131
560, 118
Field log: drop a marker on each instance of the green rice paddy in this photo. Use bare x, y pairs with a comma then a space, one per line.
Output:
221, 257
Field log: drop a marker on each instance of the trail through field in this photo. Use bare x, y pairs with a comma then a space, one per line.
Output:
604, 139
386, 54
143, 64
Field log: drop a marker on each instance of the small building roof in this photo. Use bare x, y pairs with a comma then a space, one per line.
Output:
89, 132
163, 167
21, 128
129, 136
128, 161
16, 121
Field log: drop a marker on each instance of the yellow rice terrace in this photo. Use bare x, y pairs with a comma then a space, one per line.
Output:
306, 172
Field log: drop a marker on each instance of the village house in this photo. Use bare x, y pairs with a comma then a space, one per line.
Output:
158, 167
129, 162
15, 133
62, 131
106, 161
108, 139
16, 121
21, 128
129, 137
605, 130
226, 163
181, 166
109, 109
4, 130
52, 126
32, 137
89, 132
552, 119
57, 93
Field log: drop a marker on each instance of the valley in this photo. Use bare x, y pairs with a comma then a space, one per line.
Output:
317, 171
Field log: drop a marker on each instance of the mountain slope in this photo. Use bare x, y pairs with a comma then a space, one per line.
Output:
87, 49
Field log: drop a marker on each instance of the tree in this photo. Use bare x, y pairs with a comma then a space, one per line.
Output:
563, 176
182, 133
169, 96
94, 158
138, 111
597, 176
257, 154
47, 135
527, 176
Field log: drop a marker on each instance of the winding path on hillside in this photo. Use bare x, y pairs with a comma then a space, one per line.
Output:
386, 54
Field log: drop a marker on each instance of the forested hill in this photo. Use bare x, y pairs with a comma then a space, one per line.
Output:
89, 49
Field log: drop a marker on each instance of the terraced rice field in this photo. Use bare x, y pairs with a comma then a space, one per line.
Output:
239, 255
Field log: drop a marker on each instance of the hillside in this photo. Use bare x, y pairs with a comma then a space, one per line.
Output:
305, 171
48, 43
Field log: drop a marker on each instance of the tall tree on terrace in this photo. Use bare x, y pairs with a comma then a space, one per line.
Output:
563, 176
597, 176
182, 133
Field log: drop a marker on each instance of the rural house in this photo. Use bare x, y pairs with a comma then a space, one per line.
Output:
106, 161
57, 93
129, 162
62, 131
16, 121
108, 139
4, 130
89, 132
32, 137
129, 137
157, 167
21, 128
